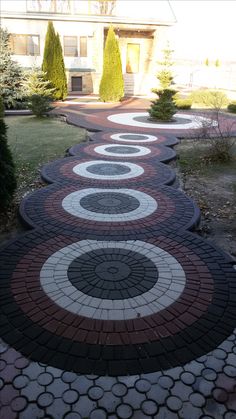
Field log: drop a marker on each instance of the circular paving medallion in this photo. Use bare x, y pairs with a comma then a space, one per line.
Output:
69, 170
115, 307
109, 205
108, 170
122, 151
140, 119
119, 213
136, 138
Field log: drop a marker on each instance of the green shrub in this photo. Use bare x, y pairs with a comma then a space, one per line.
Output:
7, 167
182, 103
220, 150
164, 107
214, 99
53, 63
232, 107
111, 87
11, 78
39, 105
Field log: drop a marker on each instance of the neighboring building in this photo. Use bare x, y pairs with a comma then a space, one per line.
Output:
141, 28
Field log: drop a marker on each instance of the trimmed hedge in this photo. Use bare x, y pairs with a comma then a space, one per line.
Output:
232, 107
183, 103
111, 87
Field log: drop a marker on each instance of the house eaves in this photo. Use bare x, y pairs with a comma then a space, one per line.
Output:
87, 18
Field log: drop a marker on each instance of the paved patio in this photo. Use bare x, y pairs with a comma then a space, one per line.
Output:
111, 306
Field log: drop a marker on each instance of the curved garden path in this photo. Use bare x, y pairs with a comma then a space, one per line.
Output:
111, 305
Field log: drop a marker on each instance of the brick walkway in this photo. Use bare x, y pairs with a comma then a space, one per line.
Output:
111, 306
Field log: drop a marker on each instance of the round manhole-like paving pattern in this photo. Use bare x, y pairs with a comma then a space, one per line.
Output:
126, 153
131, 213
187, 297
180, 121
74, 170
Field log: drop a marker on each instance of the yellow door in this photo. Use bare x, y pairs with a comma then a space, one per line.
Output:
132, 58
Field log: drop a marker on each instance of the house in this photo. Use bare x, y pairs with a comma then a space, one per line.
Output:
140, 26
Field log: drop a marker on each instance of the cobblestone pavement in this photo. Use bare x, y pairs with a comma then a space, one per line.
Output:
111, 306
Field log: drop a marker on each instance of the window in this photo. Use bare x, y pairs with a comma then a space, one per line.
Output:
70, 46
83, 46
24, 44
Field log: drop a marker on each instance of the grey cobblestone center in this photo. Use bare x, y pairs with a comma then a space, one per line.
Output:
113, 273
122, 150
108, 169
133, 137
109, 203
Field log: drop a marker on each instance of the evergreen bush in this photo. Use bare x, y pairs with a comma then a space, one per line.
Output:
39, 91
53, 63
7, 167
39, 105
111, 87
232, 107
164, 107
11, 75
165, 75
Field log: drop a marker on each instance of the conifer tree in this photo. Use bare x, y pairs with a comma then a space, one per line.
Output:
111, 87
11, 75
7, 167
53, 63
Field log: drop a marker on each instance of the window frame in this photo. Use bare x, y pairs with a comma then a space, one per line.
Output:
64, 46
86, 55
26, 36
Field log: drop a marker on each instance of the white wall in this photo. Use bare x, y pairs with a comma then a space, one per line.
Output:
39, 27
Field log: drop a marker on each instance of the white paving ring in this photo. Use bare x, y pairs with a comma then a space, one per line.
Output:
132, 151
112, 170
134, 138
72, 204
57, 286
196, 121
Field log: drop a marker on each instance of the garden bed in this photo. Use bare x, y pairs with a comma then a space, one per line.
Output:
212, 185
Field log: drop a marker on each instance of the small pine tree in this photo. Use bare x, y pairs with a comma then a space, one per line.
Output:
36, 83
11, 75
53, 63
38, 91
164, 107
165, 75
7, 167
207, 62
111, 87
217, 62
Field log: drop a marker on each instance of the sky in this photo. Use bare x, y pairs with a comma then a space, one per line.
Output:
204, 29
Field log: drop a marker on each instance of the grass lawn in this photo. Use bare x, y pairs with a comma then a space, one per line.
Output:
33, 142
36, 141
